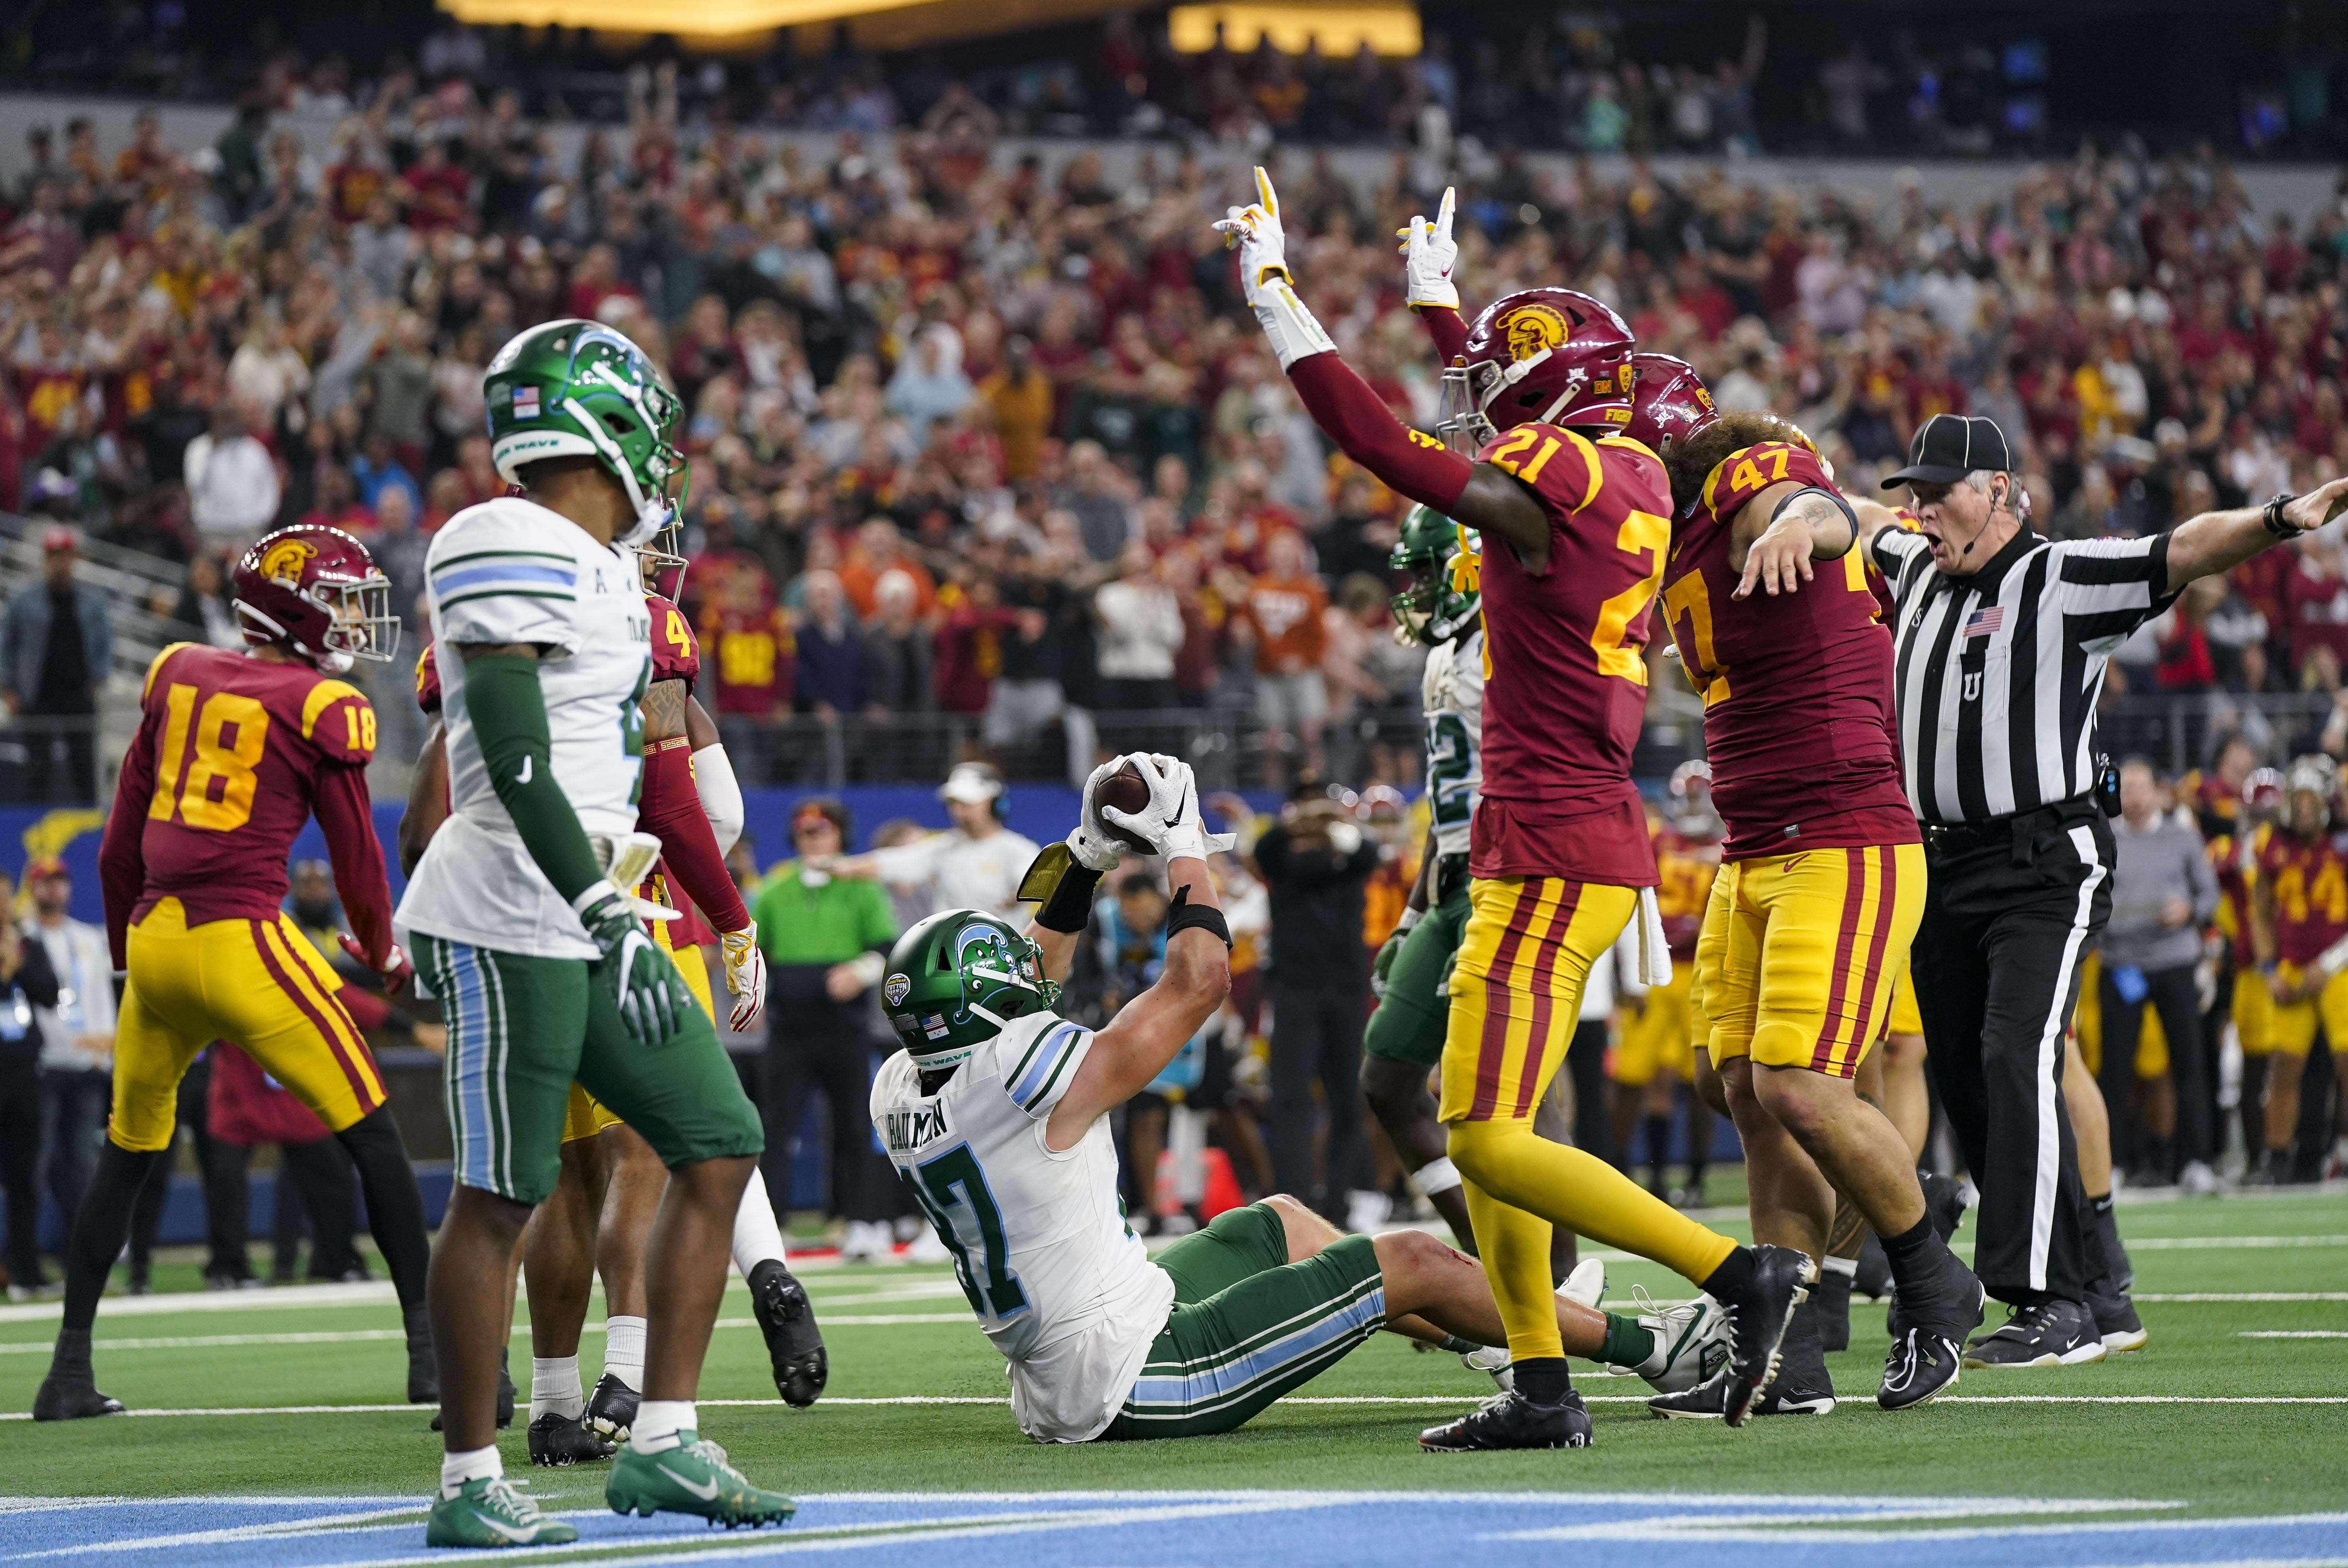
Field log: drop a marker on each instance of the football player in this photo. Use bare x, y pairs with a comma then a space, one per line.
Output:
996, 1117
1657, 1051
235, 751
524, 914
1404, 1041
2252, 1004
1574, 523
2299, 909
1822, 871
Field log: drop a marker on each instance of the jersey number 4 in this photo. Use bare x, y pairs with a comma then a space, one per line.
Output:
952, 1190
232, 732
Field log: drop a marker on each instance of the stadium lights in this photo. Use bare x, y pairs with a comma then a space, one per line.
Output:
1339, 29
700, 19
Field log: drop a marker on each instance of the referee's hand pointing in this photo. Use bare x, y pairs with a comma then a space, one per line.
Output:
1779, 561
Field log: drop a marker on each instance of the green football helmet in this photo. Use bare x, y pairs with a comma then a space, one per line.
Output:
956, 979
1431, 609
577, 388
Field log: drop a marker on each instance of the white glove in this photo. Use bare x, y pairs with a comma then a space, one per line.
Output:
1171, 822
746, 974
1091, 848
1429, 255
1263, 273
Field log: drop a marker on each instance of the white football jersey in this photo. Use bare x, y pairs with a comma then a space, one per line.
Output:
952, 870
1451, 697
507, 571
1063, 1289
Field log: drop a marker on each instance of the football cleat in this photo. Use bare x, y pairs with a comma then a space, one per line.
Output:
505, 1393
556, 1440
492, 1513
1925, 1356
694, 1477
1944, 1202
1495, 1361
794, 1342
1510, 1420
2116, 1322
612, 1408
1586, 1283
1708, 1401
2044, 1333
1691, 1342
72, 1397
1782, 1276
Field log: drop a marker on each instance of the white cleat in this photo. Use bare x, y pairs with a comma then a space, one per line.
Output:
1693, 1341
1586, 1283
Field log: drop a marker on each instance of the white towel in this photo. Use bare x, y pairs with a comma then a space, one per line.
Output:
1654, 952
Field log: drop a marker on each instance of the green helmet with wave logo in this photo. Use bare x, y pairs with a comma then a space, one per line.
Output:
956, 979
579, 389
1433, 609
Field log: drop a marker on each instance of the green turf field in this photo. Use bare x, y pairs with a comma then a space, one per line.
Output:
917, 1399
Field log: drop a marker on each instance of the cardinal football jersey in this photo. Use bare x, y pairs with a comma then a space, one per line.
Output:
1061, 1287
1451, 701
511, 572
1797, 716
2310, 878
1565, 676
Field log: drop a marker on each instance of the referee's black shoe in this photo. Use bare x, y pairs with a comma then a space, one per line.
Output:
1764, 1310
1510, 1420
2043, 1333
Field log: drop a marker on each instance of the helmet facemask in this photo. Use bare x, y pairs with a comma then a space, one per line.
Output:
362, 625
661, 558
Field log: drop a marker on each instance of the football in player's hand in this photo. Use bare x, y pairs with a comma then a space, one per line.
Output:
1127, 791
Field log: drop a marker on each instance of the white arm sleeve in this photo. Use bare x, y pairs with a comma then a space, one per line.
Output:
721, 796
910, 865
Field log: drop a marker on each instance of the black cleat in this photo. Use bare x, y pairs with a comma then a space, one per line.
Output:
1873, 1279
1831, 1304
1944, 1202
1782, 1276
1927, 1344
1708, 1401
72, 1397
2117, 1323
612, 1408
505, 1396
1510, 1420
556, 1440
793, 1342
2044, 1333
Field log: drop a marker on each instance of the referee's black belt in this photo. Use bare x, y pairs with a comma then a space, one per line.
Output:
2003, 832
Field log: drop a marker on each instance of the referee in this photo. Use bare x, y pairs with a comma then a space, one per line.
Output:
2002, 637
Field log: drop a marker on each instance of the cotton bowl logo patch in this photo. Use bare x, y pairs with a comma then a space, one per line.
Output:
285, 559
897, 990
1533, 328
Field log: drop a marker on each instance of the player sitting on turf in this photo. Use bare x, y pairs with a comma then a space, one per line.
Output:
995, 1115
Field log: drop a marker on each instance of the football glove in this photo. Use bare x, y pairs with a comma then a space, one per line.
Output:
1429, 255
1170, 823
395, 970
644, 983
1091, 848
746, 974
1255, 232
1390, 949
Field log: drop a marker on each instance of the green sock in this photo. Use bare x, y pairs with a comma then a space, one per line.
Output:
1627, 1344
1459, 1347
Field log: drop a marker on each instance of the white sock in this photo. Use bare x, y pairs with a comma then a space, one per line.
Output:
757, 1237
623, 1349
658, 1423
473, 1464
1846, 1267
555, 1388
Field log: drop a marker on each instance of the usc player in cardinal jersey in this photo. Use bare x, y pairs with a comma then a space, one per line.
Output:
234, 752
1574, 522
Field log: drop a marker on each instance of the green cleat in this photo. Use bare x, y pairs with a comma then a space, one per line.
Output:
492, 1513
692, 1477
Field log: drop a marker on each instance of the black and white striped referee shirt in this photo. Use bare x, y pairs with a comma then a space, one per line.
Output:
1998, 673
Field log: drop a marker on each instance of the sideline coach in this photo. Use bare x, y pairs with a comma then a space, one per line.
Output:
2001, 639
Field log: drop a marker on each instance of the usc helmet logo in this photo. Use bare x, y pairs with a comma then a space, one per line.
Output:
285, 559
1533, 328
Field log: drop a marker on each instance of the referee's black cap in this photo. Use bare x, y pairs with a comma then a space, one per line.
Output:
1947, 447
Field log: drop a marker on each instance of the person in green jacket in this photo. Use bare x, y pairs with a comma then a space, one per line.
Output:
825, 939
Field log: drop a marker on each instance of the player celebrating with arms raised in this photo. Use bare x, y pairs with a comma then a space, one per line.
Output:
529, 931
235, 751
1573, 530
1822, 880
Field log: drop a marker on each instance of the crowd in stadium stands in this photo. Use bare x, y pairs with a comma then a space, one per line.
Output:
978, 439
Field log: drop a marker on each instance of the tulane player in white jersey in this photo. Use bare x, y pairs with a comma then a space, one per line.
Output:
995, 1115
524, 922
1674, 1347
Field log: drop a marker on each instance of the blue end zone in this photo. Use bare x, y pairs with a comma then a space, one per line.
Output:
1221, 1529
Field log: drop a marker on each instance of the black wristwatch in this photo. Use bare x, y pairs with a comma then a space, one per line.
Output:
2274, 518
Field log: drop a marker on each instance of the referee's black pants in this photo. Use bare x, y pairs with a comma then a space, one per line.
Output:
1996, 966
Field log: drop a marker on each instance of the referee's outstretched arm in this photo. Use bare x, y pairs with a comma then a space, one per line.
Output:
2215, 541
